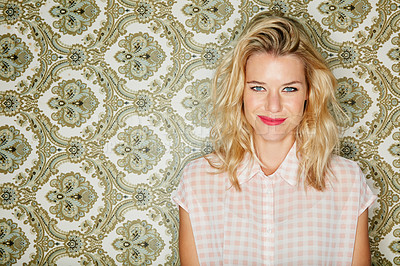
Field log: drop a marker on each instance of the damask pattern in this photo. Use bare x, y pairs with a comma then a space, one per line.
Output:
14, 57
344, 15
9, 103
139, 243
142, 56
353, 99
141, 149
198, 102
74, 16
207, 16
73, 196
75, 103
14, 149
13, 242
102, 103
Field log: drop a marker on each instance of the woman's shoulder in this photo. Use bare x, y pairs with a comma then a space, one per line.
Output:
341, 163
199, 174
351, 183
346, 169
201, 167
201, 164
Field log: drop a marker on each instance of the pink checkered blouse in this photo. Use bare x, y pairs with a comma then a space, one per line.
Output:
273, 221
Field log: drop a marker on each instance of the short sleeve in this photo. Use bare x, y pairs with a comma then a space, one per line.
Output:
367, 197
180, 197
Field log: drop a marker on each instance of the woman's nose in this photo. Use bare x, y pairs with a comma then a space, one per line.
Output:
273, 103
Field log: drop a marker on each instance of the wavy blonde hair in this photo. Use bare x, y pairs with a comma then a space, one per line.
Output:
317, 135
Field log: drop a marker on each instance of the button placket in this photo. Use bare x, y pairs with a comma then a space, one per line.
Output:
268, 219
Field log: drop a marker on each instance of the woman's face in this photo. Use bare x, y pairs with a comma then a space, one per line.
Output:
274, 96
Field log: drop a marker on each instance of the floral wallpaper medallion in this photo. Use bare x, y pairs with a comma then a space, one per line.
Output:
348, 55
350, 148
102, 104
9, 196
76, 150
143, 103
353, 99
9, 103
77, 57
279, 7
143, 197
73, 196
198, 102
13, 242
14, 149
141, 149
75, 244
12, 11
142, 56
140, 244
207, 16
144, 10
344, 15
74, 16
211, 55
75, 103
15, 57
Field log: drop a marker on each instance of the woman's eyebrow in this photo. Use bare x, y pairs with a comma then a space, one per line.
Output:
263, 83
292, 83
256, 82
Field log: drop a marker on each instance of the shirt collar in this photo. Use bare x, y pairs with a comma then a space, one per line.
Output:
287, 170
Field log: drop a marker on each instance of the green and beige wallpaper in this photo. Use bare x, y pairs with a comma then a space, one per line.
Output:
102, 103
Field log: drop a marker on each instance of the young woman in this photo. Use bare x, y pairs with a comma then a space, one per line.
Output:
273, 192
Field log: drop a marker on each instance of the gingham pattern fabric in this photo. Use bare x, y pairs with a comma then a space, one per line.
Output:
273, 220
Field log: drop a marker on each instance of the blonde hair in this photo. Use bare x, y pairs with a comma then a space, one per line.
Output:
317, 135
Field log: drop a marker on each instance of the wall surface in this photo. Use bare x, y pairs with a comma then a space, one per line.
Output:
102, 103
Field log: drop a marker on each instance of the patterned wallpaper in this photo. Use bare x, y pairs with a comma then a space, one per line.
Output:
103, 102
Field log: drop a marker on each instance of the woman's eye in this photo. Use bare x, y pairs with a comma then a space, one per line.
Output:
257, 88
289, 89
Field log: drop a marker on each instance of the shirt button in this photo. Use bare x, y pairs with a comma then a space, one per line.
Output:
269, 231
269, 191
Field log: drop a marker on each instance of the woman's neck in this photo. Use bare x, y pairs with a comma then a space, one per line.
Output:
272, 153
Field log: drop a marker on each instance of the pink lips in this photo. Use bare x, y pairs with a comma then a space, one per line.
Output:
271, 121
